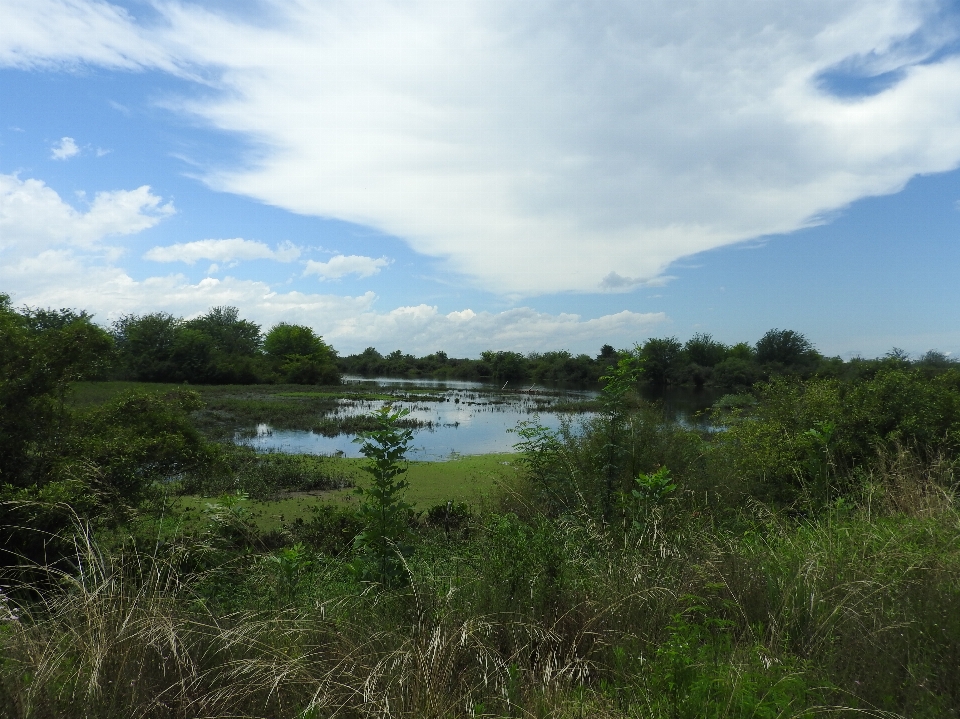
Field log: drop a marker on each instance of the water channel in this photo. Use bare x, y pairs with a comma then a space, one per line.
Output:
461, 417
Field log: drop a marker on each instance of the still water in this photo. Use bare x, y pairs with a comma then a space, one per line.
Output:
462, 418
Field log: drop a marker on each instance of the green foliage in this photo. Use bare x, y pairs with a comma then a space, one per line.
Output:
216, 348
703, 350
331, 529
383, 510
504, 366
785, 347
262, 475
285, 339
653, 489
559, 367
698, 674
799, 434
540, 458
735, 374
618, 384
229, 335
661, 358
146, 345
300, 356
138, 439
41, 353
523, 567
290, 566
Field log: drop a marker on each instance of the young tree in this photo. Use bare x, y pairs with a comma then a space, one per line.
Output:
383, 509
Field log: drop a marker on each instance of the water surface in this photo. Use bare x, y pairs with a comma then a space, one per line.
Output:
469, 418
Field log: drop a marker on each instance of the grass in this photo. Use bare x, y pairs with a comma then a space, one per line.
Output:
852, 614
473, 480
701, 602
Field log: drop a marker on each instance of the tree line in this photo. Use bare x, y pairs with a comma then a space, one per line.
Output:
218, 347
699, 362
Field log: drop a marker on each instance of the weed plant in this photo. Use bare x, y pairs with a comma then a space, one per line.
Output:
805, 562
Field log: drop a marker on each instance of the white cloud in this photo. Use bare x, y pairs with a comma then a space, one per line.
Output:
65, 149
59, 278
340, 265
33, 216
46, 33
223, 251
422, 330
545, 145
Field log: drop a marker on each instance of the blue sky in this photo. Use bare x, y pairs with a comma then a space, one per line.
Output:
425, 175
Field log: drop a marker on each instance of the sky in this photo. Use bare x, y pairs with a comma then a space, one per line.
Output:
524, 175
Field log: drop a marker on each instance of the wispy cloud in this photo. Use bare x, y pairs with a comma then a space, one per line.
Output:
342, 265
223, 251
542, 146
65, 149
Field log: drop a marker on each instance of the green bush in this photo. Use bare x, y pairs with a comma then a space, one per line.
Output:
780, 446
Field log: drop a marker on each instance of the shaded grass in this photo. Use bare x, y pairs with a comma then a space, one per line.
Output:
474, 480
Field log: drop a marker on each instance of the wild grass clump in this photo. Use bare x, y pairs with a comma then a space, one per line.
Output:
263, 475
803, 562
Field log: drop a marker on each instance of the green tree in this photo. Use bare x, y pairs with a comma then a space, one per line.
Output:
41, 353
785, 347
505, 366
300, 355
229, 334
661, 357
703, 350
146, 345
618, 383
234, 354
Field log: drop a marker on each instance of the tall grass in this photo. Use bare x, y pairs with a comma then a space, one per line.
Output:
572, 597
857, 610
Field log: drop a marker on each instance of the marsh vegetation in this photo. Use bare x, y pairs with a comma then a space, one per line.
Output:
803, 561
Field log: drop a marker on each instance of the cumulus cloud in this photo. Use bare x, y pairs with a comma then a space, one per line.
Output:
60, 278
341, 265
223, 251
422, 329
65, 149
34, 217
546, 145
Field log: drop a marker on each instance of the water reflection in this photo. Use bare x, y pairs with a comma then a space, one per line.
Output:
460, 417
463, 417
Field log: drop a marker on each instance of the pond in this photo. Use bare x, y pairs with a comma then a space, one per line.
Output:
459, 417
